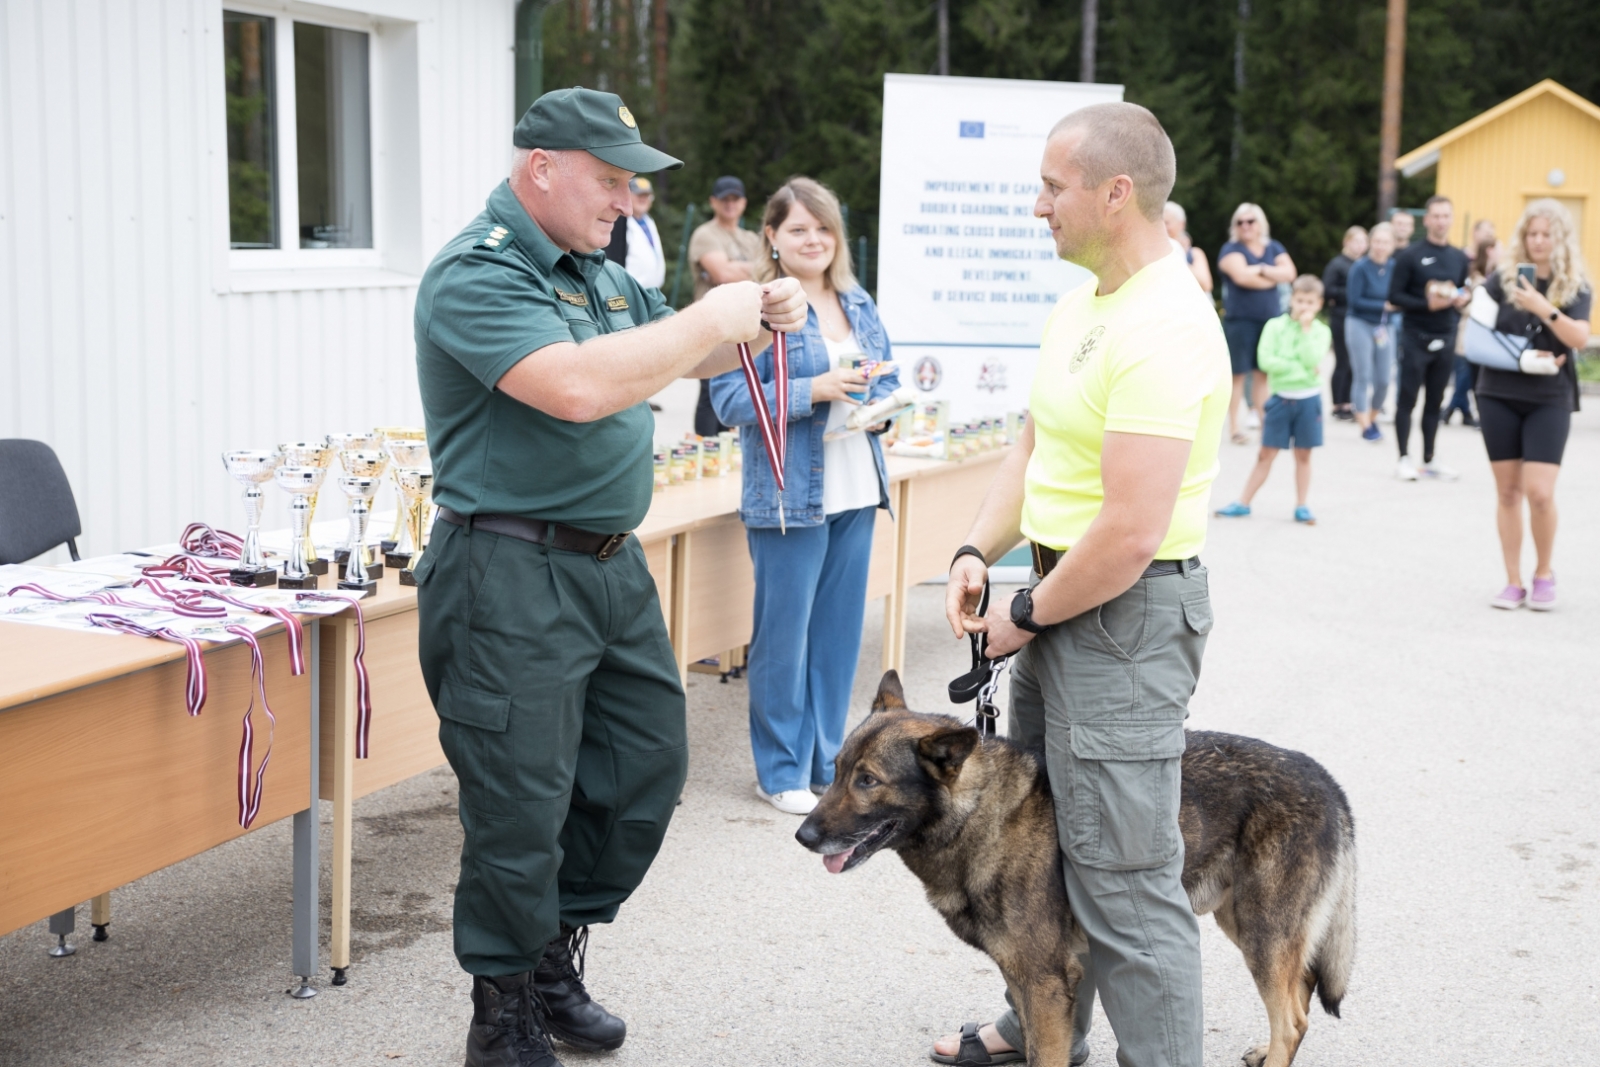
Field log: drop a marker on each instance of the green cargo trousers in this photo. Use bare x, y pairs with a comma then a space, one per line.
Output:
1106, 694
561, 713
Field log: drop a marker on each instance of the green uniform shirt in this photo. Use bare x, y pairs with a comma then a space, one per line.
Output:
498, 291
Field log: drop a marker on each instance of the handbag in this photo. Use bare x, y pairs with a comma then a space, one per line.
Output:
1485, 345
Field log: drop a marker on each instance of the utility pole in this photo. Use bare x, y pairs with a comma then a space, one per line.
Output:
944, 37
1394, 74
1091, 30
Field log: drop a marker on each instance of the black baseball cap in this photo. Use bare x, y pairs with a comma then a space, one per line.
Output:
594, 122
727, 185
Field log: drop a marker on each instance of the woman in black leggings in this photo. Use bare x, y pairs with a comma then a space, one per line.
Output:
1526, 417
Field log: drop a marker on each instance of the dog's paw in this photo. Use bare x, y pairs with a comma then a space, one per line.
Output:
1255, 1057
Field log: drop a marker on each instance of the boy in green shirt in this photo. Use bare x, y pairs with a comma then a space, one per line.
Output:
1292, 347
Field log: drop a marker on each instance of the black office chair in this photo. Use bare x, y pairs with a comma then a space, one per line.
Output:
37, 511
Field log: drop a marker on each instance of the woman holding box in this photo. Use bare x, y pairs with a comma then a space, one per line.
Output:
810, 565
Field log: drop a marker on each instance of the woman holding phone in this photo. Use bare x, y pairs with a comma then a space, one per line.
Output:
810, 563
1544, 293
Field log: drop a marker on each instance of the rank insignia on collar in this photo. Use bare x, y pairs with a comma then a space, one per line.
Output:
617, 303
577, 300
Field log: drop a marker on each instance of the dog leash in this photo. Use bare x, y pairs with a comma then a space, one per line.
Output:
982, 682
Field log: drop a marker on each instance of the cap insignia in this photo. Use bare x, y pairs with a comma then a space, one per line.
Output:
627, 117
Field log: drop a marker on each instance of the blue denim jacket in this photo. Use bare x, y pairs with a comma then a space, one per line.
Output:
808, 357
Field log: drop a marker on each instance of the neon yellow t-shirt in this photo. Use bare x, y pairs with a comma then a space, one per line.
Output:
1148, 359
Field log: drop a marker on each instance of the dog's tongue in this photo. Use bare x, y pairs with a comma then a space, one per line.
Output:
835, 863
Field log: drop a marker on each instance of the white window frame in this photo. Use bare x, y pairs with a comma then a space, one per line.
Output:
289, 256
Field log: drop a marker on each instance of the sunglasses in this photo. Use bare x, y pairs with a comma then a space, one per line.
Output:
1248, 222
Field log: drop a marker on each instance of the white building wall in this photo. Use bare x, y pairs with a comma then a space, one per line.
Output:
123, 341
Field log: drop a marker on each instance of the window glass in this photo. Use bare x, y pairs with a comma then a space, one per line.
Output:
252, 144
333, 134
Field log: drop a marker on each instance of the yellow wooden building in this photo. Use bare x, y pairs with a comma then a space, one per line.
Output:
1544, 141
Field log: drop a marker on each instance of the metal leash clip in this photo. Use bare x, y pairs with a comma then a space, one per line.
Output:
982, 682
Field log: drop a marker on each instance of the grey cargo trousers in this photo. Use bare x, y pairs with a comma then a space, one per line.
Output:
1107, 693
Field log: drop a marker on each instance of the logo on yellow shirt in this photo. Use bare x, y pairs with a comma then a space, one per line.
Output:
1086, 349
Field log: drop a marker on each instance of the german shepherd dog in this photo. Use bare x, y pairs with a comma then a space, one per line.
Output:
1269, 849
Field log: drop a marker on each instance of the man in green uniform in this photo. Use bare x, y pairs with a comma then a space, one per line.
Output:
542, 641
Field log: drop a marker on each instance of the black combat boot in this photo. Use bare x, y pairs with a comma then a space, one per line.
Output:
570, 1014
508, 1028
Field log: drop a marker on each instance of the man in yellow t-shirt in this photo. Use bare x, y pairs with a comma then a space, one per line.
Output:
1111, 483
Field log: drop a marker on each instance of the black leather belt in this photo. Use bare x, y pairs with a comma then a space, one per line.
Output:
1045, 560
552, 534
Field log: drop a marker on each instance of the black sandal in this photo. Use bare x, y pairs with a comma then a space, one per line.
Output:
973, 1053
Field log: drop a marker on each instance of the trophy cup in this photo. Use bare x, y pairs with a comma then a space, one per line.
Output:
310, 454
370, 465
250, 468
416, 487
359, 441
360, 489
405, 453
301, 483
395, 543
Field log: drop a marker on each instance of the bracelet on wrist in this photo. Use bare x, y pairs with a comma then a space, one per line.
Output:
968, 550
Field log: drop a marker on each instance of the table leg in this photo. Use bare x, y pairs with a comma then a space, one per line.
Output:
680, 604
63, 923
100, 915
344, 752
894, 607
305, 845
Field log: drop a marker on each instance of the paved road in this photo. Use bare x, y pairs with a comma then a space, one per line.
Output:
1466, 740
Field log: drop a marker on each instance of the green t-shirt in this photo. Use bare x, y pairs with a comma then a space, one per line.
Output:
498, 291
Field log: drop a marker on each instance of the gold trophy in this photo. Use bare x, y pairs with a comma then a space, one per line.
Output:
416, 488
301, 483
365, 467
385, 434
405, 453
358, 441
250, 468
310, 454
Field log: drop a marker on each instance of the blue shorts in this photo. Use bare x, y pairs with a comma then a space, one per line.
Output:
1292, 423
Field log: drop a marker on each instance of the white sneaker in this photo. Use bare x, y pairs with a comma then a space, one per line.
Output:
790, 801
1250, 420
1405, 471
1438, 472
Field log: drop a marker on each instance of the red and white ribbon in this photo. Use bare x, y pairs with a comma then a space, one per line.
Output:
188, 568
774, 424
185, 603
250, 792
195, 689
363, 684
198, 539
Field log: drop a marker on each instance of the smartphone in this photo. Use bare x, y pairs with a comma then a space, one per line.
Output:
1526, 272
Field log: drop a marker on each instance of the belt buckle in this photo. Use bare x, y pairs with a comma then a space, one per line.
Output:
609, 549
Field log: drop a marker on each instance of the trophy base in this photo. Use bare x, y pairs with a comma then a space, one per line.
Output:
317, 566
374, 570
388, 545
341, 556
250, 577
366, 588
398, 560
307, 582
408, 577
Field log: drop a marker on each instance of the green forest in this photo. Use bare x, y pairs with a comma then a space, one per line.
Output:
1274, 101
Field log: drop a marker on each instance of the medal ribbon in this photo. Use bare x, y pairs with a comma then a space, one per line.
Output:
363, 684
198, 539
250, 796
774, 430
195, 688
187, 568
185, 603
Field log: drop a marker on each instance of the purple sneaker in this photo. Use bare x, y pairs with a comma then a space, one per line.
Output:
1544, 594
1510, 598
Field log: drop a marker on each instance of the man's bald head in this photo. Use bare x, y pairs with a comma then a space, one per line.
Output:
1121, 138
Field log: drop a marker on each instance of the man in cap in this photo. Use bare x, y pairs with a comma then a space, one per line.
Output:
635, 240
541, 638
721, 251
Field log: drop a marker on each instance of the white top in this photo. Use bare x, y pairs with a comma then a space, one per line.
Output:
849, 473
646, 262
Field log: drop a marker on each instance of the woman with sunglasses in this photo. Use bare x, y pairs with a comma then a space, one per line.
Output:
1253, 265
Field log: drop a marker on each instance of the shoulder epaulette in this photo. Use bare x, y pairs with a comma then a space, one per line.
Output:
495, 239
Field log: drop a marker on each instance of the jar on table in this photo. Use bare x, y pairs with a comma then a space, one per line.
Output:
663, 469
711, 458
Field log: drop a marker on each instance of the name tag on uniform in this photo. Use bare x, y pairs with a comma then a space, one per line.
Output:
617, 303
577, 300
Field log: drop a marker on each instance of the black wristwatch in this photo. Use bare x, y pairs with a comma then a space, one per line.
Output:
1022, 612
1555, 314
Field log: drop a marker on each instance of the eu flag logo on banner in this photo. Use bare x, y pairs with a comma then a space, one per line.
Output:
972, 129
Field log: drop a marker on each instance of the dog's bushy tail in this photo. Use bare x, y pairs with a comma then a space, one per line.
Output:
1334, 953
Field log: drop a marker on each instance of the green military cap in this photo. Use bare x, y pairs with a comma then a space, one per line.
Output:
598, 123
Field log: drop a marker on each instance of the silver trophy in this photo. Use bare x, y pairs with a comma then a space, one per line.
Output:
356, 441
310, 454
406, 454
361, 484
250, 468
301, 483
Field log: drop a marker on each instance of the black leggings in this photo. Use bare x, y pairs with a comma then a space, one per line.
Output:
1527, 430
1342, 375
1427, 372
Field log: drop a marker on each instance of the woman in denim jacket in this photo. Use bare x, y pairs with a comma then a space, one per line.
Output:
811, 581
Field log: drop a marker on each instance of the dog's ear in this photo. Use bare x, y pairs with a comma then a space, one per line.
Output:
942, 754
890, 693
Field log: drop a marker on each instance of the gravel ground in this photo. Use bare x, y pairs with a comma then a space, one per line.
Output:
1464, 738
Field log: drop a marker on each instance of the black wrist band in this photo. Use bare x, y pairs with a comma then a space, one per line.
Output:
968, 550
765, 325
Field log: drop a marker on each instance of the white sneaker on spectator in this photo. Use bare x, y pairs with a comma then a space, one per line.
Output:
790, 801
1405, 471
1438, 472
1250, 420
